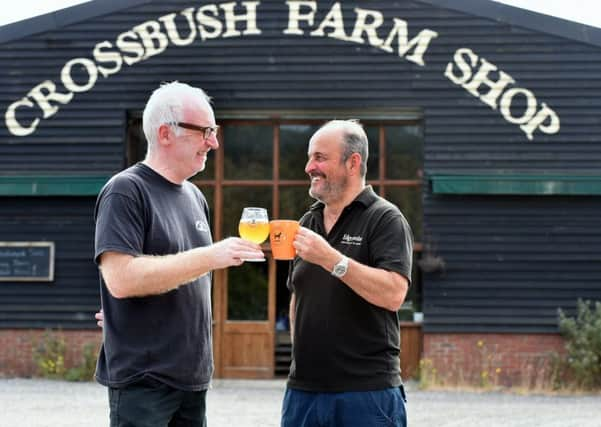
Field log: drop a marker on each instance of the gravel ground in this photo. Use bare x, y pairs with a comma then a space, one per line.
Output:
42, 403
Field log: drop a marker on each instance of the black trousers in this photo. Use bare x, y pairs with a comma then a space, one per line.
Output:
154, 404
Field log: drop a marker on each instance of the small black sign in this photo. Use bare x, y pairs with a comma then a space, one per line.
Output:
26, 261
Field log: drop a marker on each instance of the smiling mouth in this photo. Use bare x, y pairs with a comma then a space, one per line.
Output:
316, 178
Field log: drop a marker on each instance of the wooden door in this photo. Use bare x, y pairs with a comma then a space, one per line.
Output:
244, 348
411, 349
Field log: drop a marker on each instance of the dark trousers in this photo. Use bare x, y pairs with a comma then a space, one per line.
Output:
380, 408
153, 404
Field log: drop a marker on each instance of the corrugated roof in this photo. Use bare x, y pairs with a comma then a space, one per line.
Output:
61, 18
523, 18
484, 8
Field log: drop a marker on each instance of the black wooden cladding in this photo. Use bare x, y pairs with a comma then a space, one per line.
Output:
71, 300
510, 261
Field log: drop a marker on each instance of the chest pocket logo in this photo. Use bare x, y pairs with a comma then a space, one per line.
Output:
347, 239
202, 226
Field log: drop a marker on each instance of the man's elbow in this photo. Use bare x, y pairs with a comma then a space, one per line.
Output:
114, 268
116, 289
395, 304
398, 297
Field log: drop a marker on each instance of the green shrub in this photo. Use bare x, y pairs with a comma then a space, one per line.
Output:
85, 370
583, 343
49, 356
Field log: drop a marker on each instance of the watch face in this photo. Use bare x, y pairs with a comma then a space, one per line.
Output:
339, 270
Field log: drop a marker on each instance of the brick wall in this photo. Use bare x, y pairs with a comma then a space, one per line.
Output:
499, 359
16, 349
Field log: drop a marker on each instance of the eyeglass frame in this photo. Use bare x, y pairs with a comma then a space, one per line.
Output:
204, 129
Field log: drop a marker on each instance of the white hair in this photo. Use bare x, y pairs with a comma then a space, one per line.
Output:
166, 105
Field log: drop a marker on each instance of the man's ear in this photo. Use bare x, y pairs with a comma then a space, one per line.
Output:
165, 133
355, 160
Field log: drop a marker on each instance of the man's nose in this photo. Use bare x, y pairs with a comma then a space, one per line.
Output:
309, 167
212, 141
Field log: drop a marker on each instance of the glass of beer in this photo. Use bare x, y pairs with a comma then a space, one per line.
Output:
254, 226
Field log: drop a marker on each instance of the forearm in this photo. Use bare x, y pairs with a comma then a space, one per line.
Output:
292, 315
153, 275
379, 287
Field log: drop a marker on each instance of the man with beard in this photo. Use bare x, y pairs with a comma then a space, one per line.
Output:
348, 280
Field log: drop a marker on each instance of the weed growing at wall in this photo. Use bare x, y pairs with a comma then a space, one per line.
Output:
427, 374
49, 356
85, 370
583, 342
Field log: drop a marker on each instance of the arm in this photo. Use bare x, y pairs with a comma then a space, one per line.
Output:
380, 287
133, 276
292, 315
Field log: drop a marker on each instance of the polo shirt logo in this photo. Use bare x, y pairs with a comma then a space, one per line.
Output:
202, 226
347, 239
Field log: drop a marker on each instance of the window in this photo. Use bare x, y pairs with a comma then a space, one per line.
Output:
261, 163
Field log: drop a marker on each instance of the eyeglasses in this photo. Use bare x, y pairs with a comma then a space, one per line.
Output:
206, 130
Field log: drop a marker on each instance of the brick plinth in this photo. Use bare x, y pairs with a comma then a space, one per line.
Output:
497, 359
17, 349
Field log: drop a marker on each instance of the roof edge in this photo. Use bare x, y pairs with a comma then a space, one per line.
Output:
63, 17
500, 12
513, 15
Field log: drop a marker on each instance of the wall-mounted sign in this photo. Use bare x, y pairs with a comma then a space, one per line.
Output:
480, 78
26, 261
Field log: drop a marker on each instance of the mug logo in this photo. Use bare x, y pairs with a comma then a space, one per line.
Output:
279, 236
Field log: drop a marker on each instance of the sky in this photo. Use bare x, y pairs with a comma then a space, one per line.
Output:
584, 11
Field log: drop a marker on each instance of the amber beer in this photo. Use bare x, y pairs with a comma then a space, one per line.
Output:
254, 231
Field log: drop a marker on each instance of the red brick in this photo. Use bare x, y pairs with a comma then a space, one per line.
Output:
16, 349
523, 358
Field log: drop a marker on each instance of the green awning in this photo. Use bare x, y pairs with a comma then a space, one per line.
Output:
51, 185
516, 184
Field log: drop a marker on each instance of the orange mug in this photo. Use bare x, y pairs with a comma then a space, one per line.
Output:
281, 236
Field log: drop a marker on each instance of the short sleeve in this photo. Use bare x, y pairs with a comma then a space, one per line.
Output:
119, 226
391, 244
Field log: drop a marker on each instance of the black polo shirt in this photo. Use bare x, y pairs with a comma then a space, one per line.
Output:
341, 341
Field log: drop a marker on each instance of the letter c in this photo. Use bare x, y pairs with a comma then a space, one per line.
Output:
13, 125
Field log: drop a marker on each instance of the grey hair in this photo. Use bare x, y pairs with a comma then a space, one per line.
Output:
166, 105
355, 141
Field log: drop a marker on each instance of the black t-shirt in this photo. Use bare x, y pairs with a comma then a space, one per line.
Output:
341, 341
166, 337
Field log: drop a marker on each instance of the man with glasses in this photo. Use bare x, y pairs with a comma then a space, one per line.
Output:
155, 252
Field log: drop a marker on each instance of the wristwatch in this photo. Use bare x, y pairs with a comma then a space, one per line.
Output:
340, 267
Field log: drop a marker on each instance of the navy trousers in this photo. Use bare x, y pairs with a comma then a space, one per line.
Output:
380, 408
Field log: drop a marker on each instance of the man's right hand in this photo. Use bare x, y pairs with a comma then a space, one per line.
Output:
233, 251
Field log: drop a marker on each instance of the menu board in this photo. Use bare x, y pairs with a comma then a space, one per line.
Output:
26, 261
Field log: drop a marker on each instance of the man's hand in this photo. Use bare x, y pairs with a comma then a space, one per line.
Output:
100, 318
233, 251
313, 248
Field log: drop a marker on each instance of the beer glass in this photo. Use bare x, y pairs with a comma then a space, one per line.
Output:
254, 226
